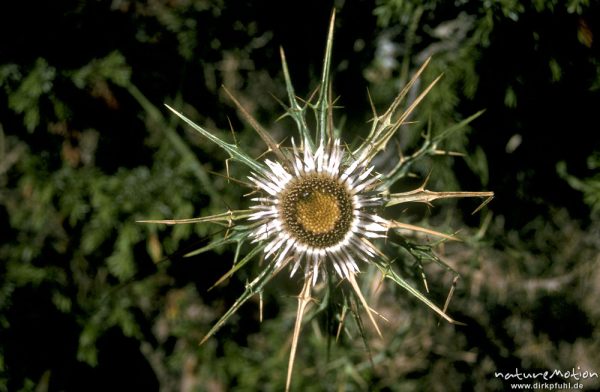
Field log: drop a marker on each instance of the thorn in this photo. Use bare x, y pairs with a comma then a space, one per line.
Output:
303, 301
341, 324
232, 131
372, 105
449, 153
422, 187
450, 295
352, 280
227, 169
424, 278
260, 307
490, 197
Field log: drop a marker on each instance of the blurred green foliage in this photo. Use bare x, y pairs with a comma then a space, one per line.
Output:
88, 296
589, 186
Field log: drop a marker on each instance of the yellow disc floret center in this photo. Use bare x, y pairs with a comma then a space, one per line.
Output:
318, 212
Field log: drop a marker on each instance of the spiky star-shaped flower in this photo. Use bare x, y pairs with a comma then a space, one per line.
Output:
320, 209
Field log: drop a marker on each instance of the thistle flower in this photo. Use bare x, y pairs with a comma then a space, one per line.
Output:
321, 204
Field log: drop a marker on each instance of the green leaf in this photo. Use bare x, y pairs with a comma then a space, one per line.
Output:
252, 288
234, 151
113, 68
26, 98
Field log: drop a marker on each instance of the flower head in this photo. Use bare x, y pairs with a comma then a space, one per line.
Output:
318, 211
320, 204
